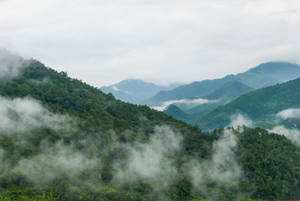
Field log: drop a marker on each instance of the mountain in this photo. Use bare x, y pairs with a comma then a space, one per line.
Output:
259, 105
229, 91
62, 139
264, 75
134, 90
176, 113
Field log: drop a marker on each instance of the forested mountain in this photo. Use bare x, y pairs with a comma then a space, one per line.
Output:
63, 140
266, 74
134, 90
177, 113
259, 105
229, 91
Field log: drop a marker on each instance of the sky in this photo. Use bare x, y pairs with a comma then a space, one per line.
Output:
104, 41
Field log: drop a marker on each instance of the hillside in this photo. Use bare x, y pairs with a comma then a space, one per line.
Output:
61, 139
230, 91
134, 90
176, 113
266, 74
259, 105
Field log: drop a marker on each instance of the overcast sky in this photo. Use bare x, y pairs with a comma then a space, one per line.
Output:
105, 41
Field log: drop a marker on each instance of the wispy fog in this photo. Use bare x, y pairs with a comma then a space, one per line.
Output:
289, 113
186, 102
221, 170
10, 64
152, 161
22, 115
239, 120
292, 134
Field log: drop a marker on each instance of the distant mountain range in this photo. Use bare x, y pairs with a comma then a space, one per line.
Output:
135, 90
264, 75
228, 92
261, 105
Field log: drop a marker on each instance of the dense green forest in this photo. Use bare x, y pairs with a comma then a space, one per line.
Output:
260, 105
61, 139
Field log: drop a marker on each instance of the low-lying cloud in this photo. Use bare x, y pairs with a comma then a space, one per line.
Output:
293, 113
21, 115
292, 134
187, 102
153, 161
239, 120
10, 64
221, 170
55, 161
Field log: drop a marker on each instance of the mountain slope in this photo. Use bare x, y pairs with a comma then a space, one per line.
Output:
61, 139
193, 90
261, 76
176, 113
259, 105
135, 91
230, 91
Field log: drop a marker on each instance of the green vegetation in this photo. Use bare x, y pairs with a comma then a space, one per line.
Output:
86, 145
259, 105
264, 75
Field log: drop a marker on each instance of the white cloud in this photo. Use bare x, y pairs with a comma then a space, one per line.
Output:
152, 161
292, 134
289, 113
53, 162
104, 41
187, 102
222, 169
239, 120
10, 64
22, 115
115, 88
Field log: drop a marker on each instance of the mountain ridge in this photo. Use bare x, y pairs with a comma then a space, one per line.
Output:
135, 90
254, 78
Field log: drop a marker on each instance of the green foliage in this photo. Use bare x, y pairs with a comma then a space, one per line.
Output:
270, 162
264, 75
260, 105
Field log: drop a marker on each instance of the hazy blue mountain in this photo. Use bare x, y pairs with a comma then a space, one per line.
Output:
264, 75
260, 105
189, 91
134, 90
230, 90
177, 113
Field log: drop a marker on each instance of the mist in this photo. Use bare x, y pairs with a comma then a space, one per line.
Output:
292, 134
239, 120
187, 103
55, 161
23, 115
153, 161
10, 64
220, 171
289, 113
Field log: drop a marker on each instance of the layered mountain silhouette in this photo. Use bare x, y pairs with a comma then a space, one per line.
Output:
264, 75
135, 90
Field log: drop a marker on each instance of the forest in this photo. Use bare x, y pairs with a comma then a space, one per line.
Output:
62, 139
